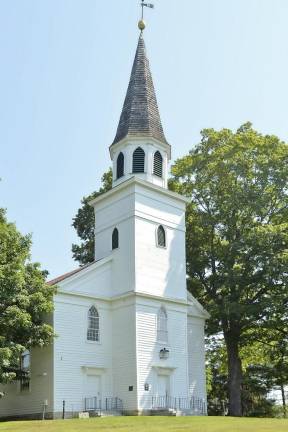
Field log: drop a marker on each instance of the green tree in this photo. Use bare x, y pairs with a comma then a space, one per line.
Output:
273, 338
259, 376
84, 223
25, 300
237, 234
216, 375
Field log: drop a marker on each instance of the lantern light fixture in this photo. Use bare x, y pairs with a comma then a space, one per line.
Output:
164, 353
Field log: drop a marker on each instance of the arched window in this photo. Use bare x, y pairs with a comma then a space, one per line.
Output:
161, 236
158, 164
120, 165
115, 239
25, 369
93, 325
162, 331
138, 160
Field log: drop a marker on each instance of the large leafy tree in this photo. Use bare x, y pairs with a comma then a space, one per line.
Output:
25, 300
84, 223
260, 371
237, 234
273, 337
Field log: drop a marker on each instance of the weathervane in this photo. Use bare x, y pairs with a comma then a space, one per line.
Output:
141, 23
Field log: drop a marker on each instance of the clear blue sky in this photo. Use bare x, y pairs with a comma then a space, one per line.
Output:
64, 70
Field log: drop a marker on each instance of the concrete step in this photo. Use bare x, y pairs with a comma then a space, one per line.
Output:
163, 412
111, 414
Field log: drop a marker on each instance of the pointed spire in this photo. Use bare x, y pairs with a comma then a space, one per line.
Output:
140, 115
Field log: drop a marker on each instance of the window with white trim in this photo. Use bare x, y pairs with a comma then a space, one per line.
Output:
162, 329
120, 165
93, 332
161, 236
115, 239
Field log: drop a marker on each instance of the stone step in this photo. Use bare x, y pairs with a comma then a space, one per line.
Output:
110, 414
163, 412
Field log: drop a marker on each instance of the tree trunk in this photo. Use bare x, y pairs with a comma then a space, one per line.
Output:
234, 373
283, 400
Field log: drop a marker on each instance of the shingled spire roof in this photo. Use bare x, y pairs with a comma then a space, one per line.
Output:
140, 115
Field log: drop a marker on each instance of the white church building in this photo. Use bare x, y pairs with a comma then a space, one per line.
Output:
130, 338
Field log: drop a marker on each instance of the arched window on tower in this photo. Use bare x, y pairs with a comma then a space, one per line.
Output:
158, 164
161, 236
115, 239
162, 329
138, 160
93, 331
120, 165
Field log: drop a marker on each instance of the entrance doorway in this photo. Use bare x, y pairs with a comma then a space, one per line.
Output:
93, 386
162, 399
93, 393
163, 389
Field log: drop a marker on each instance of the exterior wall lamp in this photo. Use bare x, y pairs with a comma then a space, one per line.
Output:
164, 353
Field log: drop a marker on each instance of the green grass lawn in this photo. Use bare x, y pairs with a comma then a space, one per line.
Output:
150, 424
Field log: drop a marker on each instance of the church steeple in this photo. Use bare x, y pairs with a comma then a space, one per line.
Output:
140, 148
140, 114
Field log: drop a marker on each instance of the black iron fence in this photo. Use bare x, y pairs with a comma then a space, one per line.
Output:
92, 404
114, 404
106, 404
195, 404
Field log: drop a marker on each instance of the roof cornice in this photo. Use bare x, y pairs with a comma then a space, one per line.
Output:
79, 272
139, 139
136, 181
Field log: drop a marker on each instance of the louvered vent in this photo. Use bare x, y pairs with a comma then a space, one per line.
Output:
158, 164
120, 165
138, 160
161, 236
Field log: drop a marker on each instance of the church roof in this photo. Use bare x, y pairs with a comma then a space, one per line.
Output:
140, 114
67, 275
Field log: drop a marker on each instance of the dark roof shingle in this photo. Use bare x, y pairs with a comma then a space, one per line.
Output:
140, 115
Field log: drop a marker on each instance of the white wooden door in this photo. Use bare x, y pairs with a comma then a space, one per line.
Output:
93, 386
163, 385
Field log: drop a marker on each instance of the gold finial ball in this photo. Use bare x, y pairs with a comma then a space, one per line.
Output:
141, 25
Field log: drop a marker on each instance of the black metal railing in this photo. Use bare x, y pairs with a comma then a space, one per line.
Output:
92, 404
113, 404
106, 404
195, 404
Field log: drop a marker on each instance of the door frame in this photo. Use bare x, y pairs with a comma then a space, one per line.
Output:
168, 385
93, 371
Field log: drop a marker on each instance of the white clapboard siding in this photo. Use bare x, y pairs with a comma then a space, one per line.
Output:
16, 403
73, 354
148, 361
160, 271
124, 353
196, 357
117, 213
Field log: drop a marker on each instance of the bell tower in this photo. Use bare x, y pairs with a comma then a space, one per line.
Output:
140, 231
149, 219
140, 148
